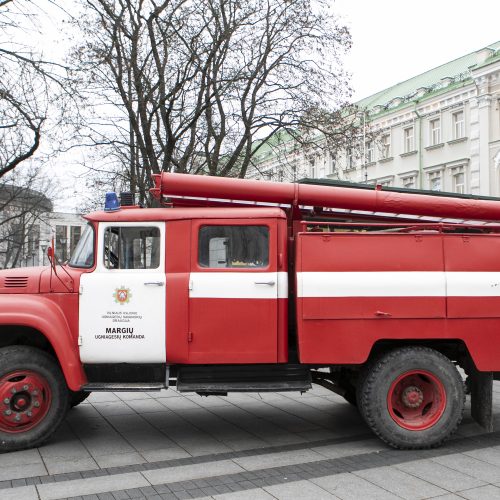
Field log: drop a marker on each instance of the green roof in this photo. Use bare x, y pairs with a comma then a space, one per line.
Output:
266, 146
457, 70
451, 75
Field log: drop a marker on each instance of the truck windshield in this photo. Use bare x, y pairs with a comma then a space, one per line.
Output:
83, 255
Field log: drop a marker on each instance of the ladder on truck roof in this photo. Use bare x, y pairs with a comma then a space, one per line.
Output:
328, 200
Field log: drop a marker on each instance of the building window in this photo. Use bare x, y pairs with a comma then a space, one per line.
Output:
75, 233
409, 183
435, 181
349, 159
333, 163
321, 167
34, 239
385, 143
458, 125
459, 181
312, 168
408, 135
436, 184
384, 183
370, 153
61, 243
435, 132
31, 251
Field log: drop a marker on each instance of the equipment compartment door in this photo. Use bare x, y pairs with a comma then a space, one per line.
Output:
122, 303
233, 292
472, 275
357, 288
371, 276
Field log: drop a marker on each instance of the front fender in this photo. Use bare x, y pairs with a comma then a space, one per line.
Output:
45, 316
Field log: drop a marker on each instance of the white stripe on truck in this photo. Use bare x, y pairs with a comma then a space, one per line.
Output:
238, 285
398, 284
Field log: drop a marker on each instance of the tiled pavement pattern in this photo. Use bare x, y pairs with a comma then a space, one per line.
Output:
246, 446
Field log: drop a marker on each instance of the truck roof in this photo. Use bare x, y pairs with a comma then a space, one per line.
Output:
134, 214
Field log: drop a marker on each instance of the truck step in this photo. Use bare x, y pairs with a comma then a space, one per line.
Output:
208, 379
123, 387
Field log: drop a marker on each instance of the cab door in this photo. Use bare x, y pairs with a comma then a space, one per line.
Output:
233, 292
122, 303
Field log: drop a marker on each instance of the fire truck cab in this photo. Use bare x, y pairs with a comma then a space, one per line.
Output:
216, 293
205, 286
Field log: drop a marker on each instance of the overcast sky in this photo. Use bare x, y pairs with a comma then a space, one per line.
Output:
395, 40
392, 41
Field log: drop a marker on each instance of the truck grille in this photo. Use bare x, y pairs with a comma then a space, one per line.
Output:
15, 282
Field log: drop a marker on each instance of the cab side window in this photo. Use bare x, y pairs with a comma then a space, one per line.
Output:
132, 248
233, 246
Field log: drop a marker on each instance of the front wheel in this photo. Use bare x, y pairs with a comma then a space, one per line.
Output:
412, 397
33, 397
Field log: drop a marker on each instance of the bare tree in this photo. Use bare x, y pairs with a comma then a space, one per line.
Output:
34, 93
21, 111
202, 86
24, 204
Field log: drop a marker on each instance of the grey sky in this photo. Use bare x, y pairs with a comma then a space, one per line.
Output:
392, 41
395, 40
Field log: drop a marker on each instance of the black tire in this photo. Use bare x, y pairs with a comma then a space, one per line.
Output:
350, 397
77, 397
412, 397
33, 390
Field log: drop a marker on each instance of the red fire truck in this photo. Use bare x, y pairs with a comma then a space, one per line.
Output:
391, 299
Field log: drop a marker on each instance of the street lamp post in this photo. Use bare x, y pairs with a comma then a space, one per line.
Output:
43, 246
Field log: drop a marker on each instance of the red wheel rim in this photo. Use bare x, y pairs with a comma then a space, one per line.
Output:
416, 400
25, 398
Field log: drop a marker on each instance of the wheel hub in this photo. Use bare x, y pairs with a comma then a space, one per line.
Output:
416, 400
412, 397
24, 400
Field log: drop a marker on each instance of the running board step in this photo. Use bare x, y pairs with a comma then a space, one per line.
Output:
123, 387
243, 378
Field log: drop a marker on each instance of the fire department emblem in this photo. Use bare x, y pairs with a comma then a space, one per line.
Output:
122, 295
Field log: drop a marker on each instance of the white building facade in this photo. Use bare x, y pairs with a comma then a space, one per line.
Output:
437, 131
28, 225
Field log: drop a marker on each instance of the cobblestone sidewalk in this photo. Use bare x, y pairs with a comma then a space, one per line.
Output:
246, 446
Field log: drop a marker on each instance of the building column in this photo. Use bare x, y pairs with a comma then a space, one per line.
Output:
480, 107
484, 146
474, 165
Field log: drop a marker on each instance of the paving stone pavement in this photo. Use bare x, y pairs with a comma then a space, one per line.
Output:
167, 445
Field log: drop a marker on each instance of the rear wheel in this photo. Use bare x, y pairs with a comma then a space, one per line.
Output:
33, 397
412, 397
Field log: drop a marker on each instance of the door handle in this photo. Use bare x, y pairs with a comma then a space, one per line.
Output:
382, 314
154, 283
268, 283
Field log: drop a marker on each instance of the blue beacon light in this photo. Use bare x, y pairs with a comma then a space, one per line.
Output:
111, 204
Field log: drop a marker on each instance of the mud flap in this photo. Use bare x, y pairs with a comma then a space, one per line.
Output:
481, 387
